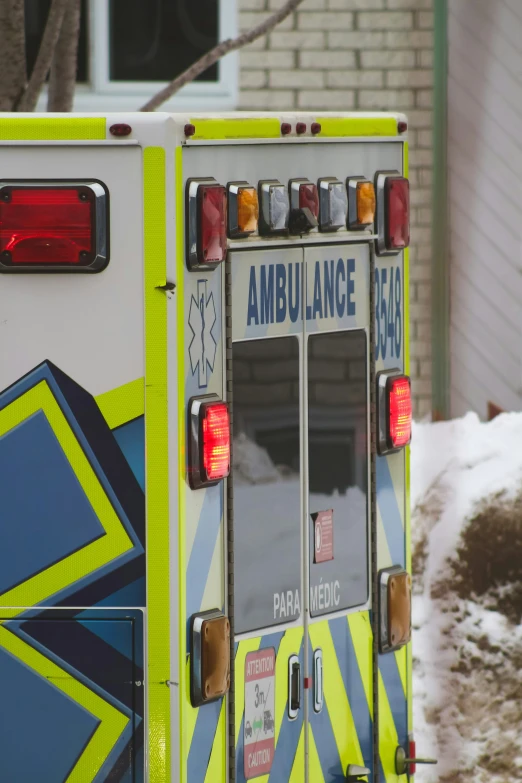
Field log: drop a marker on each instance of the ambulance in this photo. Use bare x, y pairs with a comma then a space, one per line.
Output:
205, 414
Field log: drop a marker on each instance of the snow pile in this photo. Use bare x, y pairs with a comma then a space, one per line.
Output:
467, 606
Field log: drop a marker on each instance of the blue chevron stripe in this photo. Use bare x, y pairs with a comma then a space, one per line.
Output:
203, 550
321, 726
287, 741
390, 512
395, 692
353, 684
202, 741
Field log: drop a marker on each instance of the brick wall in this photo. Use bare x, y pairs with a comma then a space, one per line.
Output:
365, 55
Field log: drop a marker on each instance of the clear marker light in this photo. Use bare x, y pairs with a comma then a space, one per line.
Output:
333, 204
275, 207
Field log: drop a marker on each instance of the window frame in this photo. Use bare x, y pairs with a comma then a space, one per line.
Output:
102, 94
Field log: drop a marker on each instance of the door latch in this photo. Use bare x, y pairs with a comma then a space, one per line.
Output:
402, 763
356, 773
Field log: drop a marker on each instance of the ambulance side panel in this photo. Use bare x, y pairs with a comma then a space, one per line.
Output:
72, 482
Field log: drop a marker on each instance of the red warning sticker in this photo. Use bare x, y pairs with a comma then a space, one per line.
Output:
323, 536
259, 732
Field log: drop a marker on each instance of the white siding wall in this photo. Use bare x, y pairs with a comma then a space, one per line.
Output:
485, 203
358, 54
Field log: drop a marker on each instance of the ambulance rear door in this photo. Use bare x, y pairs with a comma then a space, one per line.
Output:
299, 510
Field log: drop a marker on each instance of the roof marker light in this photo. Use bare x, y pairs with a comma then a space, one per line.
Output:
286, 128
300, 128
120, 129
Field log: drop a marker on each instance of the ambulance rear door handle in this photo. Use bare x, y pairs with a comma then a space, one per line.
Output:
318, 680
294, 686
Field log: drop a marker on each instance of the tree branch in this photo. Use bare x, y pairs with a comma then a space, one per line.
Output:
62, 80
13, 75
53, 26
219, 51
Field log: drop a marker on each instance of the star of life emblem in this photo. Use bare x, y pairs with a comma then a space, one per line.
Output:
203, 346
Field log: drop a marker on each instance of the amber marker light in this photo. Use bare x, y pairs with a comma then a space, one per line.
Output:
361, 202
243, 210
394, 608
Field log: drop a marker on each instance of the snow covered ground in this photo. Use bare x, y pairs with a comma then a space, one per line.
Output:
467, 606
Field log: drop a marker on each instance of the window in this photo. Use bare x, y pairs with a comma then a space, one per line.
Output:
129, 49
338, 471
267, 489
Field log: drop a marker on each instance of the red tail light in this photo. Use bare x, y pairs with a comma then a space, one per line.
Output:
53, 227
399, 407
209, 441
207, 224
397, 210
216, 441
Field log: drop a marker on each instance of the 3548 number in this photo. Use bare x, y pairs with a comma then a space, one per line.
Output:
388, 312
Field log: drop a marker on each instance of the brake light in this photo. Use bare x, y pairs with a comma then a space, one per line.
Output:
399, 407
397, 210
209, 441
207, 223
48, 226
216, 441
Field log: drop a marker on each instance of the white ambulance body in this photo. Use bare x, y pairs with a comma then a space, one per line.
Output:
204, 426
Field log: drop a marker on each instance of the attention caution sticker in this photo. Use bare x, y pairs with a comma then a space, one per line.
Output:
259, 712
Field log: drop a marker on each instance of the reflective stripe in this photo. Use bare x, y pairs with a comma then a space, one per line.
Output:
187, 714
239, 128
315, 773
298, 768
52, 128
388, 738
389, 508
335, 690
157, 473
362, 640
123, 404
217, 766
358, 126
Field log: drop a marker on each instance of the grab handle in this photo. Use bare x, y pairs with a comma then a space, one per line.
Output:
294, 687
